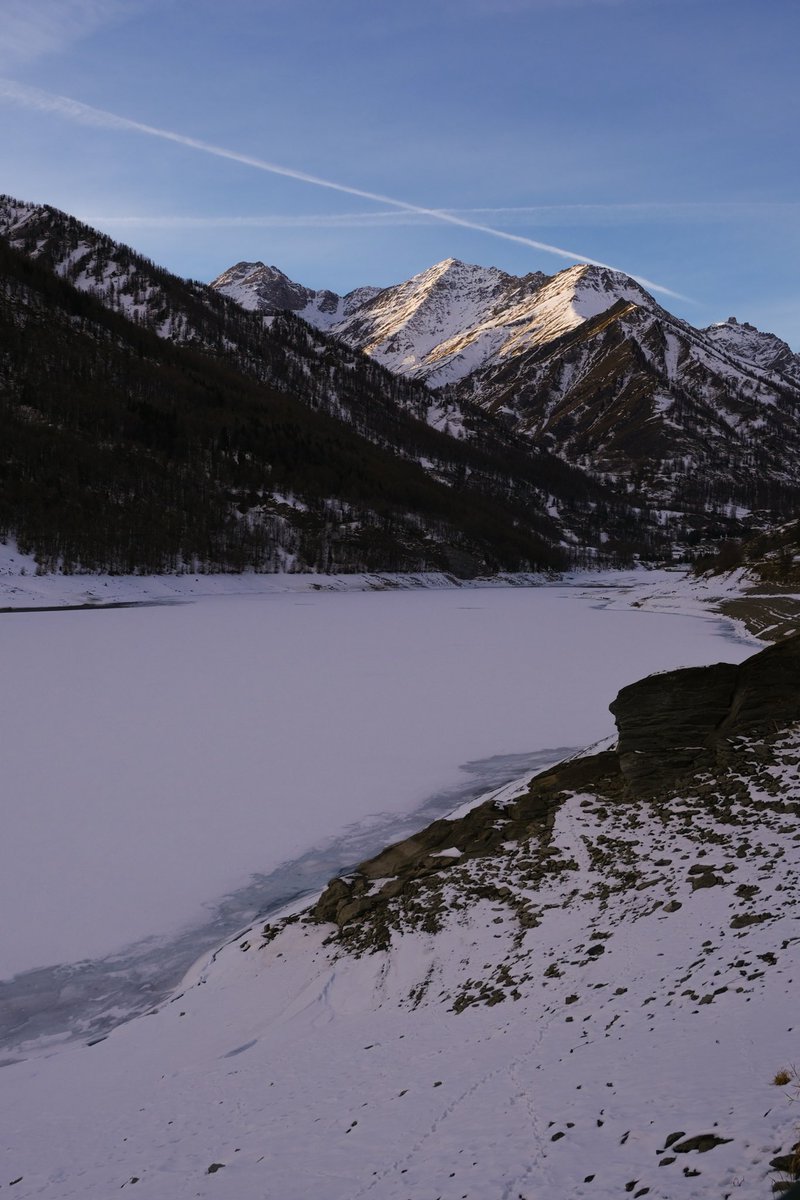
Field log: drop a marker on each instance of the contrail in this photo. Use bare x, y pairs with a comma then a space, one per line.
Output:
75, 110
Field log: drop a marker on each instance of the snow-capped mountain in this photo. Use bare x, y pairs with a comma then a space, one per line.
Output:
601, 419
442, 323
369, 440
455, 319
266, 289
437, 326
631, 390
587, 363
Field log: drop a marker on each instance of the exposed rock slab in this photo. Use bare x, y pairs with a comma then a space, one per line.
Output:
683, 721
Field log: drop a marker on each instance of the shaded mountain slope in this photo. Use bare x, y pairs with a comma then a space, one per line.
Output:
126, 453
466, 451
636, 394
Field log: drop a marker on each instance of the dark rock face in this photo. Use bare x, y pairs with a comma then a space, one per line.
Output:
768, 689
683, 721
667, 722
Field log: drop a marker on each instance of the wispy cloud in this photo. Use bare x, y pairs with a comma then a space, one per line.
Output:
644, 212
548, 214
75, 110
30, 29
494, 7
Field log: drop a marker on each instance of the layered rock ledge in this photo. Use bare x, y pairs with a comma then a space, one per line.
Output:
671, 726
679, 722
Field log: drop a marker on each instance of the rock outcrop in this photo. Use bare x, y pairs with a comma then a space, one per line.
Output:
400, 868
683, 721
671, 726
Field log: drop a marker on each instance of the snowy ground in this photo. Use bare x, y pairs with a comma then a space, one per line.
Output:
624, 1041
273, 731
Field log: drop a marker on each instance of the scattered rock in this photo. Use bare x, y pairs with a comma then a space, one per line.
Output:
744, 919
701, 1142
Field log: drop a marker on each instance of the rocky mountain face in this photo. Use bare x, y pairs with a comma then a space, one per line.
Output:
382, 467
266, 289
635, 393
589, 365
764, 350
573, 404
441, 324
436, 327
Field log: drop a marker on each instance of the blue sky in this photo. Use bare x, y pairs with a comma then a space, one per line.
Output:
659, 136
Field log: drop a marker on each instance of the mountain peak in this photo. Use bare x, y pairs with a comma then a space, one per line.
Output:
764, 350
465, 274
268, 289
257, 272
418, 327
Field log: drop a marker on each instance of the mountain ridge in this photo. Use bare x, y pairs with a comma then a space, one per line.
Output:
468, 458
587, 363
594, 419
497, 300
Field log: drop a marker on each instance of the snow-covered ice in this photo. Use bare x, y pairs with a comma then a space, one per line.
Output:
155, 758
158, 757
288, 1070
170, 772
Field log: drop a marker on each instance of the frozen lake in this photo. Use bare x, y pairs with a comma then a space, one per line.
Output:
158, 759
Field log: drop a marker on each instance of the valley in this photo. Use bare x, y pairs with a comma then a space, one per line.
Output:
314, 607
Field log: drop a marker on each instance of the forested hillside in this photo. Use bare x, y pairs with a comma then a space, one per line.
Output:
123, 452
151, 424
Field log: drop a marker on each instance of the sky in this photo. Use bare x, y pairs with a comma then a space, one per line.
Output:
354, 142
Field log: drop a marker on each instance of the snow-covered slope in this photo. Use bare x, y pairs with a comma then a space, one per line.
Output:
437, 326
568, 991
455, 318
588, 363
442, 323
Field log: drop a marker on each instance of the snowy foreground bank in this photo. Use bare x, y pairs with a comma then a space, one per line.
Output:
473, 1057
597, 1014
